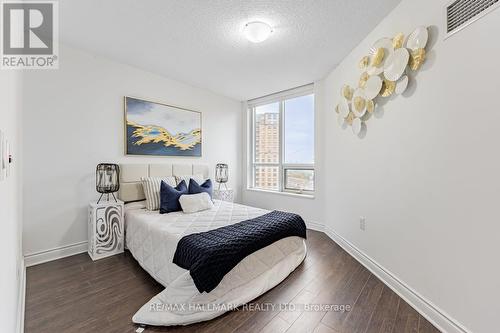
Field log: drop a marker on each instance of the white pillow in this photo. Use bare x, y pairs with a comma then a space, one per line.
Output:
197, 178
192, 203
151, 187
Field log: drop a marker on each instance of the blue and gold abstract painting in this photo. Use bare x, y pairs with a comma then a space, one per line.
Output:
161, 130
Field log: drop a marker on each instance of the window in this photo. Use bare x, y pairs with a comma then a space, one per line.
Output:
282, 144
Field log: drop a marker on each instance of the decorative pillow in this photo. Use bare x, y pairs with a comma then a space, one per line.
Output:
151, 187
195, 187
199, 178
170, 197
192, 203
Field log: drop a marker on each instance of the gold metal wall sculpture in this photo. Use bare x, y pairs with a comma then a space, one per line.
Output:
384, 72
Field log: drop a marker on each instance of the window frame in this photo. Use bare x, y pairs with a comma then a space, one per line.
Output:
281, 165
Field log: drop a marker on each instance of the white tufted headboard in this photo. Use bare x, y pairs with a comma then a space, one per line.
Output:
130, 176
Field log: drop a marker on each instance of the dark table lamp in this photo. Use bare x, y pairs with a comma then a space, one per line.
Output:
107, 179
221, 174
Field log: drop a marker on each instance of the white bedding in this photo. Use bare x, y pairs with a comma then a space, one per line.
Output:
152, 239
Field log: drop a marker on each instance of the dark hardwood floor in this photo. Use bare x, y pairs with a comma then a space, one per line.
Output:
75, 294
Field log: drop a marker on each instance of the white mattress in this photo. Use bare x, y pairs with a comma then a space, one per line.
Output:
152, 239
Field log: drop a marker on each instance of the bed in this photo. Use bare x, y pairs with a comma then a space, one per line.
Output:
152, 239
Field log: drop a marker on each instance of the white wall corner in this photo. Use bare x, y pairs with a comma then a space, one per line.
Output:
439, 318
21, 301
315, 226
55, 253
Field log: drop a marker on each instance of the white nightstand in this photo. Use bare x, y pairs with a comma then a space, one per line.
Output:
223, 194
106, 233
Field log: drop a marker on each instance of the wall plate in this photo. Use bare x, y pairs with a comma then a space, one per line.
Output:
8, 158
3, 161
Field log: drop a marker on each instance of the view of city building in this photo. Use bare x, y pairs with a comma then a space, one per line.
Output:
267, 149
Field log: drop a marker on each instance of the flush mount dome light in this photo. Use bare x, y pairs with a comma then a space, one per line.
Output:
257, 32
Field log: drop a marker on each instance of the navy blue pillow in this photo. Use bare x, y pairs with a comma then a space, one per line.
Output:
169, 197
195, 188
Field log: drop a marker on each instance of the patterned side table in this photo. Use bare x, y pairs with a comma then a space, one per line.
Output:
223, 194
106, 234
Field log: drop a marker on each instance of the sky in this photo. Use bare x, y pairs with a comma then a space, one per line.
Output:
172, 119
299, 130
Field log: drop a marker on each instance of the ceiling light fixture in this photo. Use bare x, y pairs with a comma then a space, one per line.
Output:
257, 31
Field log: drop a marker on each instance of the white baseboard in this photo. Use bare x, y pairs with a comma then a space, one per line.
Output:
440, 319
315, 226
54, 254
21, 301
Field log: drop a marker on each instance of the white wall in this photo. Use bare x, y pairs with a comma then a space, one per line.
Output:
426, 176
73, 120
309, 208
10, 204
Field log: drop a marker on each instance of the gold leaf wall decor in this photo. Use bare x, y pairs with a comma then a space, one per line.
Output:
359, 104
383, 59
347, 92
350, 117
398, 40
377, 57
363, 63
388, 88
417, 58
370, 106
362, 80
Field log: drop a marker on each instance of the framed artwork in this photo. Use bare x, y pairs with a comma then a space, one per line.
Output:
161, 130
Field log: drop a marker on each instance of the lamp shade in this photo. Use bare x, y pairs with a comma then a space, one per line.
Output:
257, 31
221, 173
107, 178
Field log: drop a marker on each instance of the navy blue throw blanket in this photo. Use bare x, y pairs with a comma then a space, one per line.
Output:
210, 255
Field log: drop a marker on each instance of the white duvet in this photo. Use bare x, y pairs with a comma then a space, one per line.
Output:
152, 239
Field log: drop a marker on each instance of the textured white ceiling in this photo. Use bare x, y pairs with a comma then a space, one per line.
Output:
200, 42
